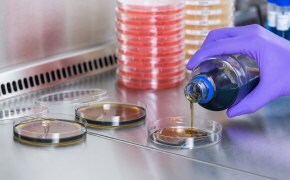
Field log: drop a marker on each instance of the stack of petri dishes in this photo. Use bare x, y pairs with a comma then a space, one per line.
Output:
150, 48
202, 16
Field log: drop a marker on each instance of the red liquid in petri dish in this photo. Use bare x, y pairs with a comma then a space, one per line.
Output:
149, 84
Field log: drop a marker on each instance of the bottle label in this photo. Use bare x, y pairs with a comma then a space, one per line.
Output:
203, 22
204, 12
272, 18
282, 22
203, 3
197, 32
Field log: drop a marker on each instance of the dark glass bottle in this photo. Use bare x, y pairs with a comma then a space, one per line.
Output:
222, 81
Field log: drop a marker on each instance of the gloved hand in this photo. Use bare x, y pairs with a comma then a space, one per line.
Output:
271, 53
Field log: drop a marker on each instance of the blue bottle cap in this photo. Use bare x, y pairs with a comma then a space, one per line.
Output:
283, 2
208, 84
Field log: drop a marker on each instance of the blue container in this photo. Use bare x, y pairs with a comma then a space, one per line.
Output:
283, 20
271, 16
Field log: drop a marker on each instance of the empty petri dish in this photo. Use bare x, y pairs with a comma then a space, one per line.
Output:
177, 132
49, 131
9, 115
111, 114
65, 101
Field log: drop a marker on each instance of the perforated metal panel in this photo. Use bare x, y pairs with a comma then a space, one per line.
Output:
54, 70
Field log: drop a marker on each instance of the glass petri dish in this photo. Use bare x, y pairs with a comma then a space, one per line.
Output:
150, 33
151, 84
148, 51
9, 115
49, 130
111, 114
149, 30
208, 3
214, 22
151, 64
164, 7
148, 18
227, 10
150, 73
177, 132
150, 60
65, 101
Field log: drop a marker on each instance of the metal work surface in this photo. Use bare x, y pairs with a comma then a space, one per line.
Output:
257, 144
99, 158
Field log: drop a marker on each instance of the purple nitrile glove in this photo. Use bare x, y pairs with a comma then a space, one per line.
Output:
271, 53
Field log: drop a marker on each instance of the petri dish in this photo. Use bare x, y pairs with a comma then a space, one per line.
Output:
156, 52
147, 51
190, 52
177, 132
214, 22
149, 18
149, 30
150, 73
151, 64
9, 115
208, 3
152, 84
150, 60
112, 114
225, 11
150, 7
150, 42
65, 101
49, 131
150, 22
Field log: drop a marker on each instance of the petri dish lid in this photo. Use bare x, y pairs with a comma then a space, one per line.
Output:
71, 97
151, 64
135, 6
177, 132
9, 115
150, 84
149, 80
112, 114
148, 18
150, 60
49, 130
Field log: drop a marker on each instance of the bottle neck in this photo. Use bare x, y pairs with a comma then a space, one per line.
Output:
199, 90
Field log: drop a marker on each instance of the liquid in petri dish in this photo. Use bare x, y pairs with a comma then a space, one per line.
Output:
112, 115
49, 132
178, 136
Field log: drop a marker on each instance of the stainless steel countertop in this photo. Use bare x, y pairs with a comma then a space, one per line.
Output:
252, 147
